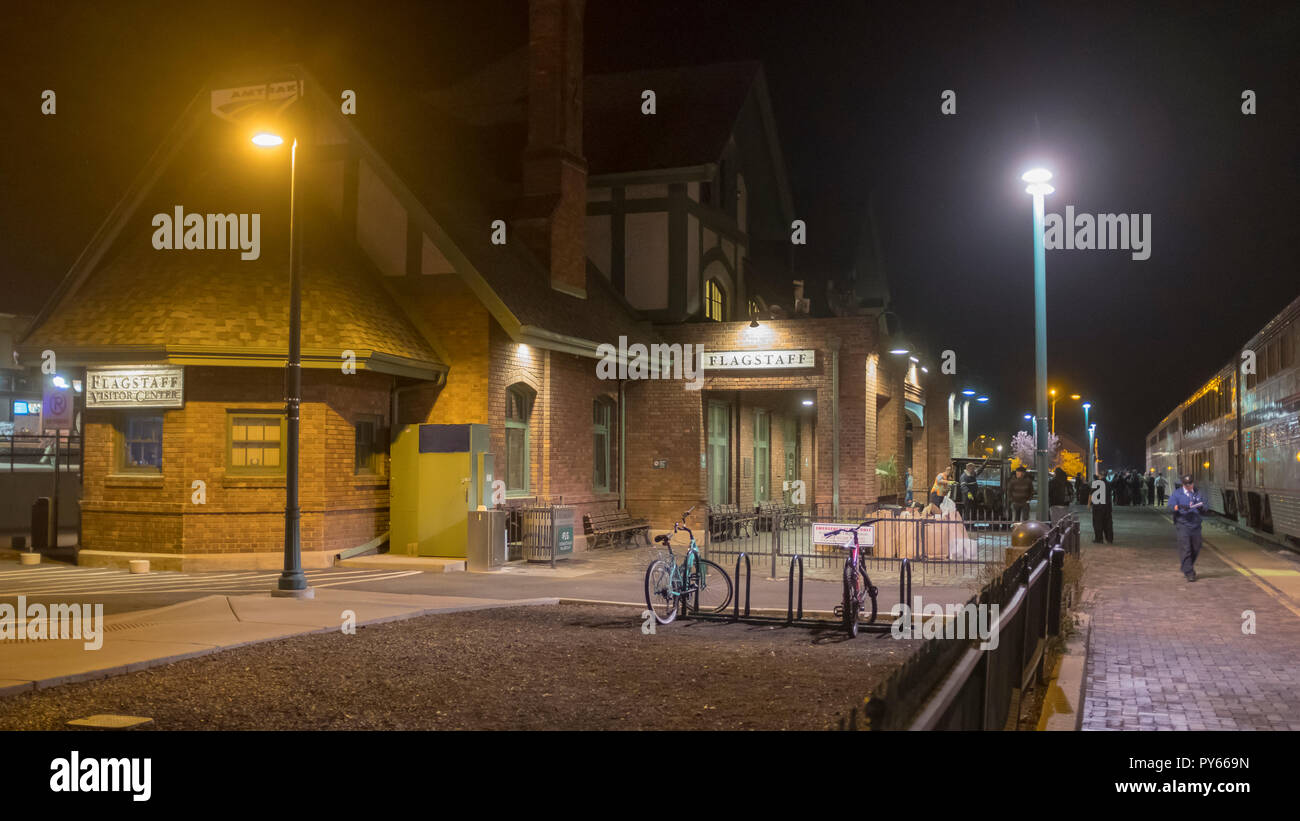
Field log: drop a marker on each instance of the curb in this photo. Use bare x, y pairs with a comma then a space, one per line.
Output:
137, 666
1068, 685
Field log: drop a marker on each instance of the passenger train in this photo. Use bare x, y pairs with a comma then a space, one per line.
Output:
1239, 434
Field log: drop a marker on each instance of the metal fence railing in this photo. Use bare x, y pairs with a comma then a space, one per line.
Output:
956, 684
936, 547
32, 451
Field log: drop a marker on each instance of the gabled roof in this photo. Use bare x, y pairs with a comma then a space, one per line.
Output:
459, 178
126, 300
451, 189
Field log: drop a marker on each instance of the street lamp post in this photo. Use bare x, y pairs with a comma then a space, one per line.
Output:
1087, 434
292, 582
1038, 188
1092, 449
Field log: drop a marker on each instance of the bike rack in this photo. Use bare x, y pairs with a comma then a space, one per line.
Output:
905, 582
793, 617
735, 607
789, 606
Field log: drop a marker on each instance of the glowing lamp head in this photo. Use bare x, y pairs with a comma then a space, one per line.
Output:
898, 350
1074, 396
1036, 175
981, 399
265, 139
968, 392
59, 382
1029, 416
1087, 405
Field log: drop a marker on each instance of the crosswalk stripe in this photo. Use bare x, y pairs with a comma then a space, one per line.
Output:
396, 574
109, 581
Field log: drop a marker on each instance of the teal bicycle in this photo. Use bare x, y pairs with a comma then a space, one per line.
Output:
696, 585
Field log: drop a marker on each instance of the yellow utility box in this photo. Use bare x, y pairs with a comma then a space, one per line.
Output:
439, 474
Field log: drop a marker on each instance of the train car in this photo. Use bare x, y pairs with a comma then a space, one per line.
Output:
1269, 441
1239, 434
1197, 438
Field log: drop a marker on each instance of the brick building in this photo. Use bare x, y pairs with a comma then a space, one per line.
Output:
468, 252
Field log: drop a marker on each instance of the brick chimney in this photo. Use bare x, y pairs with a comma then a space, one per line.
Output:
551, 217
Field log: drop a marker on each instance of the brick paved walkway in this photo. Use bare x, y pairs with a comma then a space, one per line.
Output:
1169, 655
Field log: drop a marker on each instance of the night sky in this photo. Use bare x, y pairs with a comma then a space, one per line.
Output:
1134, 111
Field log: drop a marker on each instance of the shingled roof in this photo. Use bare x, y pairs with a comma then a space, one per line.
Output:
194, 306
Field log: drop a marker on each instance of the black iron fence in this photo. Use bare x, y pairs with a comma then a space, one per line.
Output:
972, 683
772, 535
32, 451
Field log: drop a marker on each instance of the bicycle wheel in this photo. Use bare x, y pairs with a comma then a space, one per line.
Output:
659, 598
714, 587
872, 593
850, 605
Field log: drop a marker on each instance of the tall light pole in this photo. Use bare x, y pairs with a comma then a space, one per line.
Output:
1038, 188
1087, 434
292, 582
1092, 448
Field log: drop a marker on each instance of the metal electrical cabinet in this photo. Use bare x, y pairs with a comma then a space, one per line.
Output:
439, 474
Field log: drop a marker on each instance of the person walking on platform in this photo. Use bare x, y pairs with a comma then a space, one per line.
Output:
1103, 522
1020, 490
1135, 488
1080, 489
1189, 508
1162, 487
1119, 485
908, 487
1151, 488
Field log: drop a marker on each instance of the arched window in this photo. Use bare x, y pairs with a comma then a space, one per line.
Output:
519, 408
714, 301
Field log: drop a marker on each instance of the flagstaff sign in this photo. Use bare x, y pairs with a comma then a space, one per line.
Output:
757, 360
157, 386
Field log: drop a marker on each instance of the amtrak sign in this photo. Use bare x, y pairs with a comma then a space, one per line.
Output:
146, 386
758, 360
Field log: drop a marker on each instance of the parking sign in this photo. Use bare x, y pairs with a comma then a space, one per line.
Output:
56, 408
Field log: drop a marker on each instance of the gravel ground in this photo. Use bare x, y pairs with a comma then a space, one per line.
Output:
533, 668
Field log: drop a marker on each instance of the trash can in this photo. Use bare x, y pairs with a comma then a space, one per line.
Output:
41, 523
486, 544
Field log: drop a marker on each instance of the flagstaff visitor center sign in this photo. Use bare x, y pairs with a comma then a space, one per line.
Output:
159, 386
757, 360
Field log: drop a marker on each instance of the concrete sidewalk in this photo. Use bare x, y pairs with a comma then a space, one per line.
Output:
149, 638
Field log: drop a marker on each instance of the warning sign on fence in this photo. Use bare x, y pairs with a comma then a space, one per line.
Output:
866, 534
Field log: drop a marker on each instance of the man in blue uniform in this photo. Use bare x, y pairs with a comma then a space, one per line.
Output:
1188, 507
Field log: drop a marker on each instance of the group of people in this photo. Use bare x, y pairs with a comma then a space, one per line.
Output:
1132, 488
1126, 487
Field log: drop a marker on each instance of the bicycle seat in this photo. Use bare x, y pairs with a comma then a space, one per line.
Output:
663, 537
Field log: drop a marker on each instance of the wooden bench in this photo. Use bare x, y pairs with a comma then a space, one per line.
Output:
728, 522
616, 525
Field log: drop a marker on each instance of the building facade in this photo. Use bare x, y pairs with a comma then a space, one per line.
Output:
470, 260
